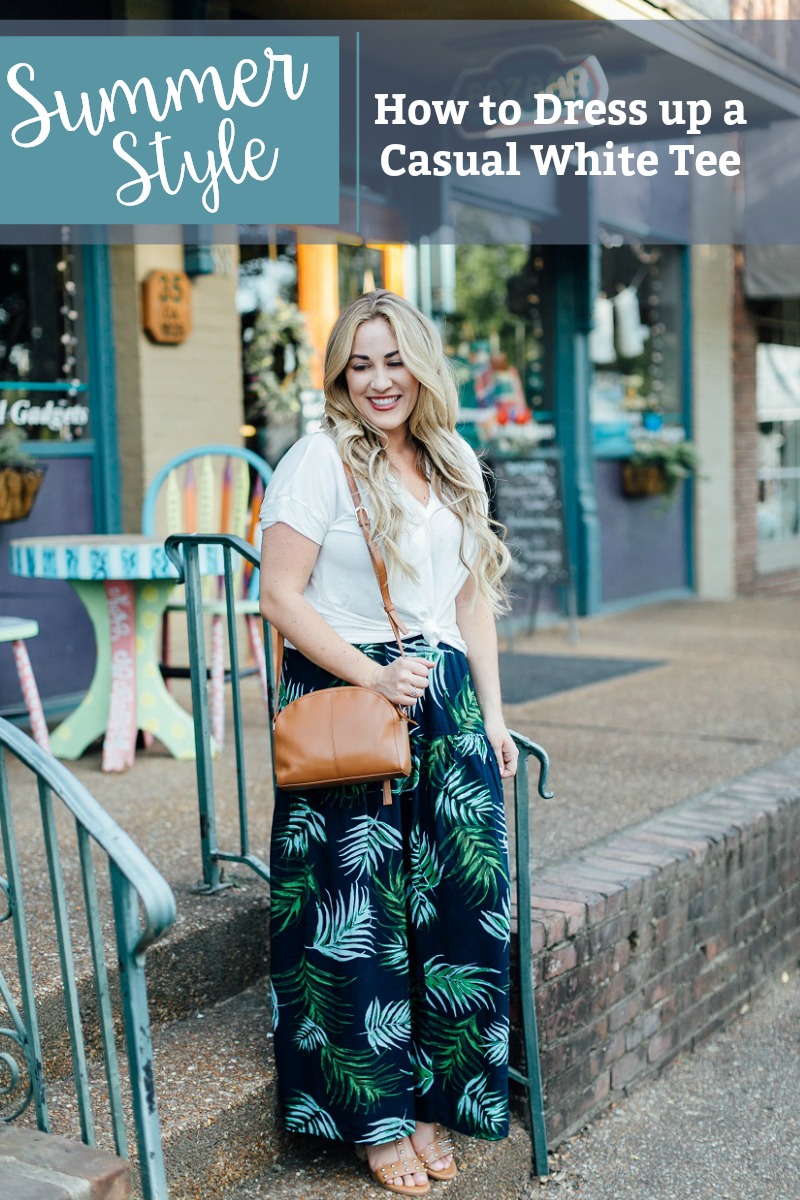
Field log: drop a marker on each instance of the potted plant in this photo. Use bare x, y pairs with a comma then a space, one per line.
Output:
658, 467
20, 476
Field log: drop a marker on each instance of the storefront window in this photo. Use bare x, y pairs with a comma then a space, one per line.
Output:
360, 271
495, 338
43, 366
778, 407
636, 345
274, 348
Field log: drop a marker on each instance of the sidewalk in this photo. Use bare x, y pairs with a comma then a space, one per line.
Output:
720, 1124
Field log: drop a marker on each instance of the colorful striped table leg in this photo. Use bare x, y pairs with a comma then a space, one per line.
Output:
30, 694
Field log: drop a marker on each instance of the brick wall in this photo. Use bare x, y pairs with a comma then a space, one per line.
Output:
647, 942
745, 437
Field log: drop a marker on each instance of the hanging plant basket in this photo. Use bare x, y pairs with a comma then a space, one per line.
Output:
642, 479
19, 487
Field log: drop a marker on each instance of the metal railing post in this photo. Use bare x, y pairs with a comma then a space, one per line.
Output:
532, 1078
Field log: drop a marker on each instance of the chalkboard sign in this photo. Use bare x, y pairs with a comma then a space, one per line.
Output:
528, 498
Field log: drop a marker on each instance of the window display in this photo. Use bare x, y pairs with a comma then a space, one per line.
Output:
636, 347
42, 343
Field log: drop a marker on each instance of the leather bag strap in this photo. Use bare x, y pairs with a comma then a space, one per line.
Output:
378, 566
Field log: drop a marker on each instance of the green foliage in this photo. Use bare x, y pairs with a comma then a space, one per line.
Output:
11, 453
675, 460
276, 361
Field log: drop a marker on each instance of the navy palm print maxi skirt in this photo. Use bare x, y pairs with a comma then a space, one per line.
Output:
390, 930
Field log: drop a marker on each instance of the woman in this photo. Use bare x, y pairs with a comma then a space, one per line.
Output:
390, 924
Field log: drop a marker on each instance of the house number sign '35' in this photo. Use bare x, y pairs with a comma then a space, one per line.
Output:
167, 306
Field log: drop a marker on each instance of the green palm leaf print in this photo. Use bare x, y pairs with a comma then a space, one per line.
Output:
391, 897
317, 992
290, 895
367, 843
460, 802
482, 1109
355, 1079
344, 928
477, 862
387, 1130
303, 826
422, 1069
424, 877
393, 952
464, 709
458, 988
497, 921
495, 1043
389, 1026
458, 1052
303, 1115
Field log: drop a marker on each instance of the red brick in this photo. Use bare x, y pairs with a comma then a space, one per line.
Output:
629, 1066
565, 958
574, 910
108, 1176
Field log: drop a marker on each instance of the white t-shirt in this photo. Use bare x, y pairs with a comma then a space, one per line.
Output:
309, 492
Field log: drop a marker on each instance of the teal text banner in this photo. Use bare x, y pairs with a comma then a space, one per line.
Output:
162, 130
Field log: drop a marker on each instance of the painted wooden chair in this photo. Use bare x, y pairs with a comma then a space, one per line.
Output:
208, 490
17, 630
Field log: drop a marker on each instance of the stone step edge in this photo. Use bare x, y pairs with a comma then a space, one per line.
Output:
647, 941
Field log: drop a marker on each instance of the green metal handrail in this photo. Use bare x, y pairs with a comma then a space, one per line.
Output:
144, 909
183, 550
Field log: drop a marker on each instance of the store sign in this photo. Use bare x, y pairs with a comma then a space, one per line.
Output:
512, 91
53, 414
167, 307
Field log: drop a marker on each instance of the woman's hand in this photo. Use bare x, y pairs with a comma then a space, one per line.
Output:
504, 747
402, 681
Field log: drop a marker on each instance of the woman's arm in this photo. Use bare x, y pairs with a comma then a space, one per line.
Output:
476, 624
287, 560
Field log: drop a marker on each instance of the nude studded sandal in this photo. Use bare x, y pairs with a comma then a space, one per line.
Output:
404, 1164
440, 1147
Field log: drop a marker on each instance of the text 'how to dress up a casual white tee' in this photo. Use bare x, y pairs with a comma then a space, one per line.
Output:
309, 492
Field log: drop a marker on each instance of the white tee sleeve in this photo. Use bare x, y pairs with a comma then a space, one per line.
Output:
304, 488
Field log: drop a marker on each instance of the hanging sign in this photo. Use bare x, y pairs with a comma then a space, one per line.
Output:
167, 307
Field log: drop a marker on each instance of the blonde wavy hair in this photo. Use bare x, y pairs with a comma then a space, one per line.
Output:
440, 450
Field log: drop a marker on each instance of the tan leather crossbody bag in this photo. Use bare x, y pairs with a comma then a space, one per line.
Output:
343, 734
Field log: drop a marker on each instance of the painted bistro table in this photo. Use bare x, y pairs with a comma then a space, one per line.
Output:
124, 581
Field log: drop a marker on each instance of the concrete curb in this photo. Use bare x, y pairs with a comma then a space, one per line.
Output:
648, 941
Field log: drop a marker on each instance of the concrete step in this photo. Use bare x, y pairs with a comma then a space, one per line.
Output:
314, 1169
215, 1089
218, 947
